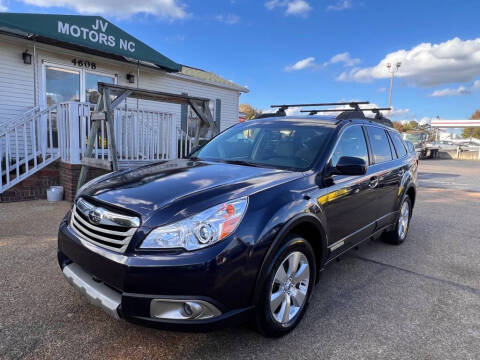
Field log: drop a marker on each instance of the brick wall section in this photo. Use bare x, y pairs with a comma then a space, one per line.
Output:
69, 175
35, 186
59, 173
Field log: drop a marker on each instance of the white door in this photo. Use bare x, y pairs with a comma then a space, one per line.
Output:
61, 84
65, 83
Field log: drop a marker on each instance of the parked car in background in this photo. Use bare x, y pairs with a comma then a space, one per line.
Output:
243, 228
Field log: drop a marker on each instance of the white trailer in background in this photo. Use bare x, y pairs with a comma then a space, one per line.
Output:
458, 124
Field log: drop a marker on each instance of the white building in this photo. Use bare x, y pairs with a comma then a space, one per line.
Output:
49, 69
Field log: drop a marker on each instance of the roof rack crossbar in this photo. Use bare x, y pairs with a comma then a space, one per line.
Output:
353, 104
315, 111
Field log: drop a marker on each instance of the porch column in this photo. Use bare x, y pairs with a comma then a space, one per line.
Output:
74, 132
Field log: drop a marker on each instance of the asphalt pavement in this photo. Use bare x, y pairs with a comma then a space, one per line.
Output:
420, 300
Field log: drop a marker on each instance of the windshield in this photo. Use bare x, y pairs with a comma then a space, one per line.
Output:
278, 144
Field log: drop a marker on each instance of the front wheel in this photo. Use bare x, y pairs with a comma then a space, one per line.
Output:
286, 291
399, 234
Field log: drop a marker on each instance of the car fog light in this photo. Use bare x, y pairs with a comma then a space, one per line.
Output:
192, 310
173, 309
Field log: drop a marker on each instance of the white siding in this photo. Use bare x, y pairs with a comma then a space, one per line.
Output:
16, 81
163, 82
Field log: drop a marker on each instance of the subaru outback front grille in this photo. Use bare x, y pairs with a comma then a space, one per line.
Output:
103, 227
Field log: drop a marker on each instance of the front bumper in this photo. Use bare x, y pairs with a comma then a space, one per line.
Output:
96, 292
125, 285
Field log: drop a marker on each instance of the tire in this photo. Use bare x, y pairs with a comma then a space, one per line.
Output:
400, 232
281, 290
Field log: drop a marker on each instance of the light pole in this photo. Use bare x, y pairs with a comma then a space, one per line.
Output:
392, 69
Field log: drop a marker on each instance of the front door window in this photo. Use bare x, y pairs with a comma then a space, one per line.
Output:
66, 84
61, 85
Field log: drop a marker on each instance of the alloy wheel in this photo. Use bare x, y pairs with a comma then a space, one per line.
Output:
403, 220
289, 287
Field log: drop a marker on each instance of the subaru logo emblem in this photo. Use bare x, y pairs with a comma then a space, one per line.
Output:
95, 215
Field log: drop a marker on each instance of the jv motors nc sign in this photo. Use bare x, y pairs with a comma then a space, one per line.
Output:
97, 33
93, 32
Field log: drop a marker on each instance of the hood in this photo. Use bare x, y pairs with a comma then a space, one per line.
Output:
150, 188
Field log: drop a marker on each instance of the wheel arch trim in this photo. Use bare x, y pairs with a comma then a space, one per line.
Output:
276, 244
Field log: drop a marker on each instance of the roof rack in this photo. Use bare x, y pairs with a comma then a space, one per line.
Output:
353, 104
316, 111
354, 113
282, 108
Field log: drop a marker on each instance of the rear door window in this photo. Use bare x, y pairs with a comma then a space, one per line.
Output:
399, 145
379, 143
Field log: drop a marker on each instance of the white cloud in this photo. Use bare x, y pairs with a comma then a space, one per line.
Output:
298, 7
294, 111
425, 120
340, 5
382, 89
427, 64
171, 9
461, 90
399, 112
344, 58
229, 19
272, 4
2, 6
308, 62
292, 7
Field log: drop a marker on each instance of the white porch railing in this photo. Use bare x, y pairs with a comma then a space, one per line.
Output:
40, 137
144, 135
26, 146
73, 120
184, 142
141, 135
8, 124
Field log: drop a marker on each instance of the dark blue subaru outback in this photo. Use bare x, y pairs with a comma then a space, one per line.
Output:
242, 228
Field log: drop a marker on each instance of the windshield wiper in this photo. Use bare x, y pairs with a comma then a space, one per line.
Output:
242, 162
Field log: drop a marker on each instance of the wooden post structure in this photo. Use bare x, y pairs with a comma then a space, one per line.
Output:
104, 111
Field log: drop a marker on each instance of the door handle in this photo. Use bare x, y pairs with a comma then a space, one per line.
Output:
373, 182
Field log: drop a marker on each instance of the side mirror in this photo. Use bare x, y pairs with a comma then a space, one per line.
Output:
348, 165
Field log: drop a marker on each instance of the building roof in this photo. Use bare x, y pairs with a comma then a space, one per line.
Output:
90, 32
97, 35
210, 77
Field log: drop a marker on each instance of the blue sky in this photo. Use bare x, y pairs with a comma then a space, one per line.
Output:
312, 50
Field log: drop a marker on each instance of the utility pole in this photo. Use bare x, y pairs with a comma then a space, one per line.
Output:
392, 70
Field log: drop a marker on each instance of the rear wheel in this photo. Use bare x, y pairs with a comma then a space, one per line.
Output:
399, 234
286, 292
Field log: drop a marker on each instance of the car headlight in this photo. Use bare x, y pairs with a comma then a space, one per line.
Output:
200, 230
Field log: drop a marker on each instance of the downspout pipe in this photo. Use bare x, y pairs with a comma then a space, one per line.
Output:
35, 100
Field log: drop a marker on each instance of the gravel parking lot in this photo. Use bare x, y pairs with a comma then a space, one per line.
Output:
420, 300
